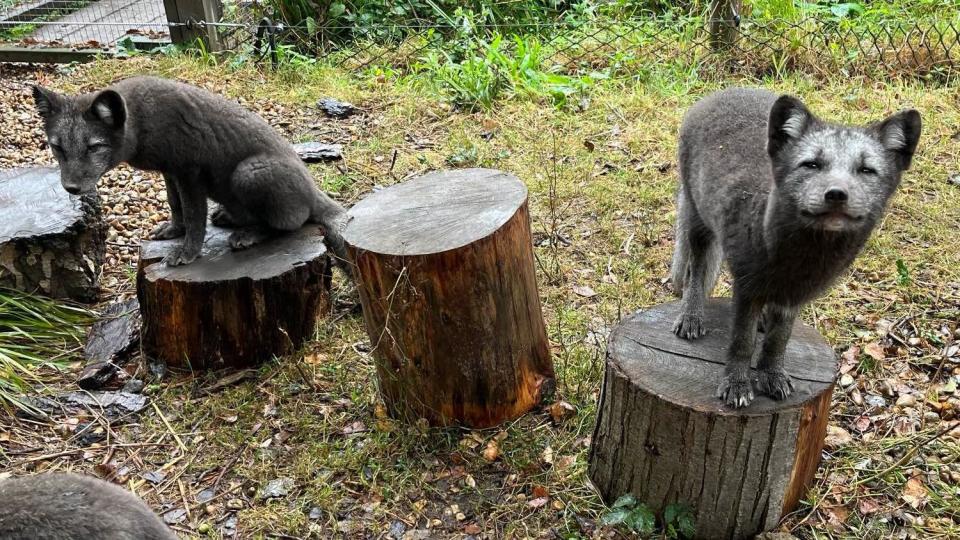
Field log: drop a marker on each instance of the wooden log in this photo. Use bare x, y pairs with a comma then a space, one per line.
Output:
445, 269
51, 242
662, 435
233, 308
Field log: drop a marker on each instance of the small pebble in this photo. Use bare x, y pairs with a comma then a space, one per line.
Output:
846, 380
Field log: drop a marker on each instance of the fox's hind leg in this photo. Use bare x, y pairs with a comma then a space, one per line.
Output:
271, 201
696, 263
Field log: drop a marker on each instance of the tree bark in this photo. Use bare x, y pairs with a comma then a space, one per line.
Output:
51, 242
233, 308
663, 436
445, 269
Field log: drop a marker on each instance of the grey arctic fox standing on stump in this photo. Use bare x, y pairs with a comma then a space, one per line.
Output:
73, 507
204, 145
788, 200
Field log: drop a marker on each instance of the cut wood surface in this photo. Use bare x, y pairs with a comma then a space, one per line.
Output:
51, 242
233, 308
663, 436
445, 269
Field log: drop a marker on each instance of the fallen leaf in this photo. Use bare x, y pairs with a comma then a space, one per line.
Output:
875, 351
867, 506
356, 427
836, 515
862, 423
492, 451
564, 462
540, 492
915, 493
584, 291
547, 455
588, 144
539, 502
849, 359
472, 529
837, 437
560, 410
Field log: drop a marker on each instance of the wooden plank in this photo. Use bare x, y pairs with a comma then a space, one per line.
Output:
48, 56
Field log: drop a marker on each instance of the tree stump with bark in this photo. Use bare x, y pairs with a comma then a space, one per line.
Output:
51, 242
233, 308
445, 269
663, 436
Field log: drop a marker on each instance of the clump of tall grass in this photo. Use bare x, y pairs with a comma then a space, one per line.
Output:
38, 336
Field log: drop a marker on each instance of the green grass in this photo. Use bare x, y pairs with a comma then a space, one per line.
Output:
37, 335
611, 201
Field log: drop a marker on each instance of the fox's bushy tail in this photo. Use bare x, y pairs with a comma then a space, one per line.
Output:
333, 218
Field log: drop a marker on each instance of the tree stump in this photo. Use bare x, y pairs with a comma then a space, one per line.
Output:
445, 269
233, 308
51, 242
663, 436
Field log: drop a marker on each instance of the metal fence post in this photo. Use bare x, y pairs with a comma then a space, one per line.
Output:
185, 17
724, 18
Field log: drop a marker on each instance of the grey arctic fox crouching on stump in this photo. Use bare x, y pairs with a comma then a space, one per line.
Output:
204, 145
73, 507
789, 201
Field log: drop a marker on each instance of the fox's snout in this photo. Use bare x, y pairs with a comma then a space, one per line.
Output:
71, 189
836, 196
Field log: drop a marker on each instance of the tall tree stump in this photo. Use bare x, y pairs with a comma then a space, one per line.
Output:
232, 308
663, 436
444, 265
51, 242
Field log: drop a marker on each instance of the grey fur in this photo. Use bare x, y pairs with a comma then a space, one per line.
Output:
204, 145
788, 201
65, 506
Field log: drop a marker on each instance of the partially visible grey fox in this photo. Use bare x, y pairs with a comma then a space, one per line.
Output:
204, 145
789, 201
63, 506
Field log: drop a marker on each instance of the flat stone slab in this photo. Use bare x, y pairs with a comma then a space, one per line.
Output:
315, 152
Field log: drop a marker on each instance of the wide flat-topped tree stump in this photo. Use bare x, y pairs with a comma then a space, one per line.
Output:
51, 242
663, 436
444, 265
233, 308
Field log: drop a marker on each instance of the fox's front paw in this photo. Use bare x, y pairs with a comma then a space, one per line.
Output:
689, 326
168, 230
181, 256
736, 392
775, 383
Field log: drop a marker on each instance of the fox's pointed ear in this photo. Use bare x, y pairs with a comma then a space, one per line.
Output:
900, 134
789, 119
48, 102
109, 108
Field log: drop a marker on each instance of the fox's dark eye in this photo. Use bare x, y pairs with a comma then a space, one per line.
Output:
56, 148
867, 170
810, 164
96, 147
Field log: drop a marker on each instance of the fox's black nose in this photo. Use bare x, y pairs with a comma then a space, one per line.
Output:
72, 190
835, 196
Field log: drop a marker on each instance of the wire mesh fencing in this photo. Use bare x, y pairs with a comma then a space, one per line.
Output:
922, 48
93, 24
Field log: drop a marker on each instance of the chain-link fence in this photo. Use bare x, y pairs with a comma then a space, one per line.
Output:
93, 24
927, 48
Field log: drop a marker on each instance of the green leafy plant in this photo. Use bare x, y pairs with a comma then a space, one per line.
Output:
678, 521
903, 273
635, 516
36, 333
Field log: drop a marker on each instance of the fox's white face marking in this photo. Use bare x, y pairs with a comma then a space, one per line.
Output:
838, 178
